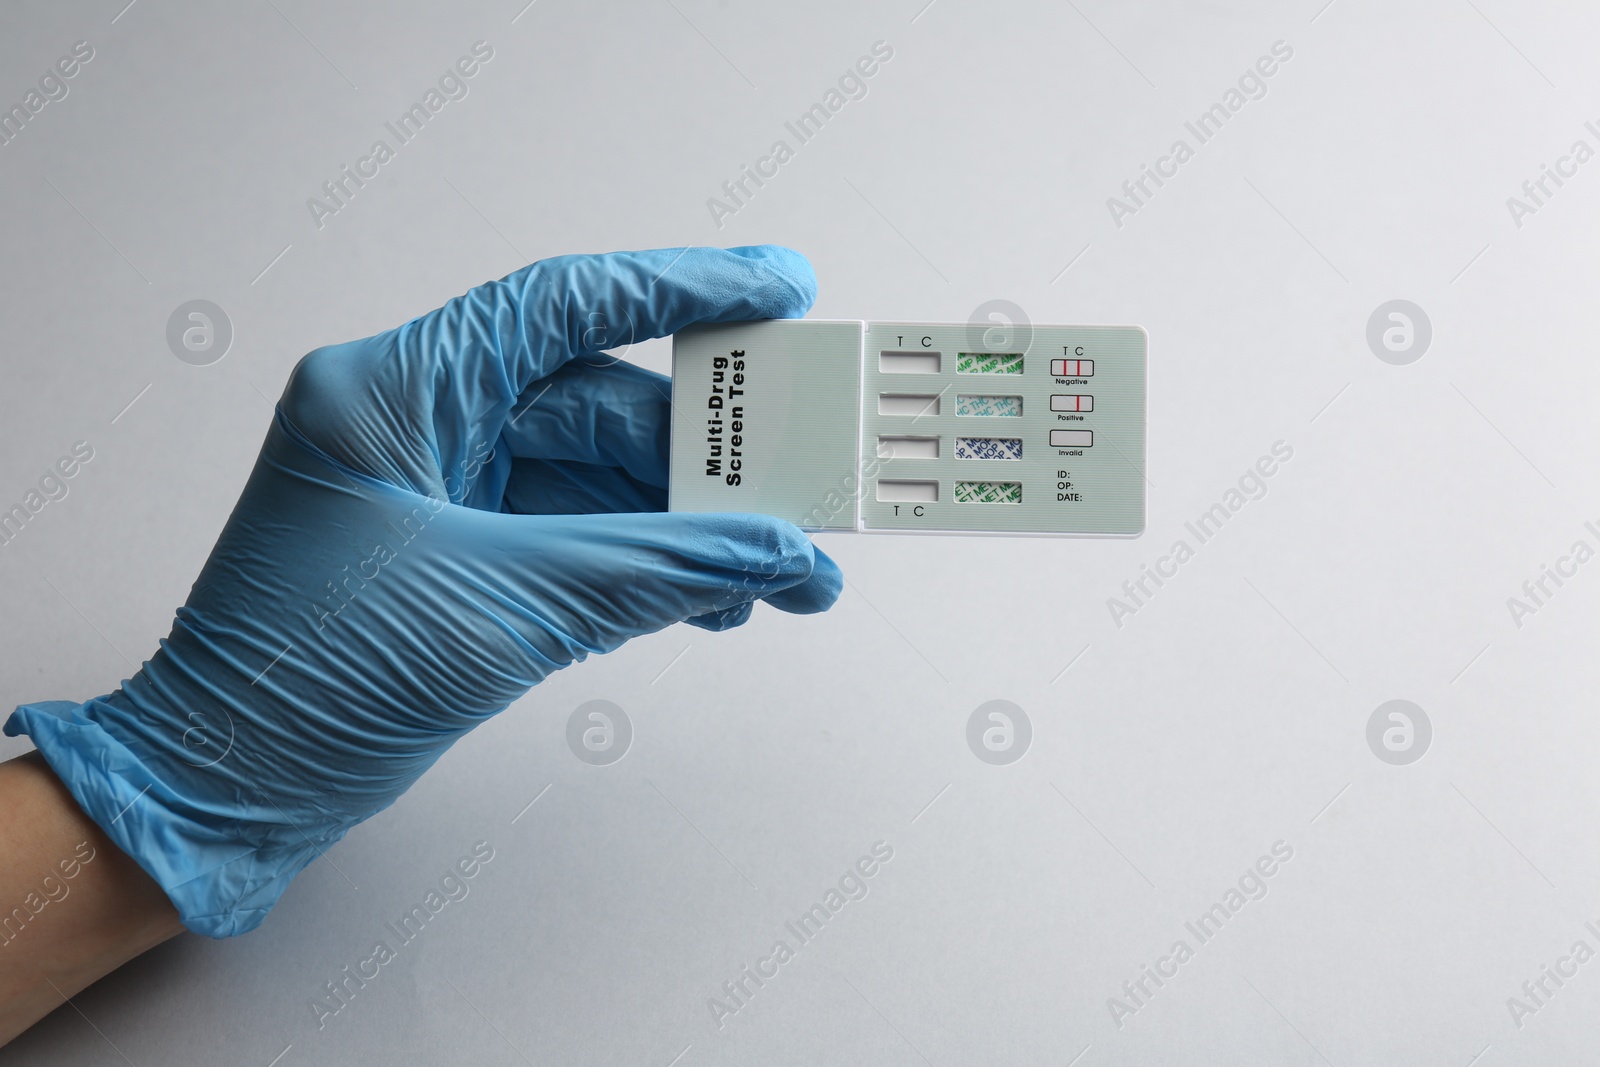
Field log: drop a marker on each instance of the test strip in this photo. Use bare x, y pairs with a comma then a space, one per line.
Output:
988, 448
988, 362
908, 492
988, 492
908, 447
907, 404
988, 406
908, 362
1072, 368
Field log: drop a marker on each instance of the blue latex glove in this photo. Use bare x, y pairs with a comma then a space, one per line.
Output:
441, 516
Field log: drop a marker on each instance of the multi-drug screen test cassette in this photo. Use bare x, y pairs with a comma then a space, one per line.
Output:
912, 427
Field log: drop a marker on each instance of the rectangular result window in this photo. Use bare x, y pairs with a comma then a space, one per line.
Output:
908, 404
908, 447
904, 491
908, 362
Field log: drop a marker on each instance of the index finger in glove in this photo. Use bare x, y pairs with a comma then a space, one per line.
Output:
483, 349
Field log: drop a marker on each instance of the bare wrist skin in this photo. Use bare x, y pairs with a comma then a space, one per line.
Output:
73, 907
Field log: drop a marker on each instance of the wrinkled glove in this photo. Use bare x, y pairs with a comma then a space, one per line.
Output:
441, 515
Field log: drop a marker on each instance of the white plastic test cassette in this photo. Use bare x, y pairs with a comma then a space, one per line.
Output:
912, 427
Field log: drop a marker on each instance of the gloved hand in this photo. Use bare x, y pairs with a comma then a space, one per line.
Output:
441, 515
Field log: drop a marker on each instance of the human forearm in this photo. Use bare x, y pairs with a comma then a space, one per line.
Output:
73, 907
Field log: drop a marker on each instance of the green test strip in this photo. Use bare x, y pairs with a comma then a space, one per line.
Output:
988, 492
989, 363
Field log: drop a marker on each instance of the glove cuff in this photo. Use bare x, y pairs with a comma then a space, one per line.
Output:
222, 873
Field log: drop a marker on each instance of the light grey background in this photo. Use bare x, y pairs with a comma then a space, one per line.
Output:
1228, 713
